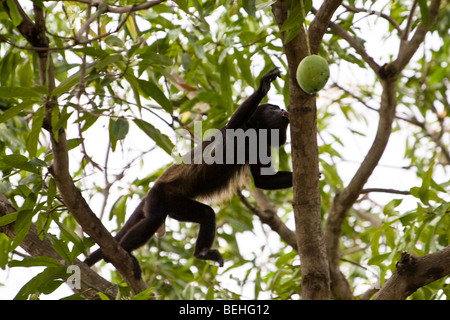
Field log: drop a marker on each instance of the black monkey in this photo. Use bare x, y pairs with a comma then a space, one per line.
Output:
176, 191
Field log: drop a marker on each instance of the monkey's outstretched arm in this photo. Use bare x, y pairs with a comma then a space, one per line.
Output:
277, 180
245, 111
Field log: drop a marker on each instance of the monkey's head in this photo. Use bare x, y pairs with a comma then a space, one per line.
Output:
271, 117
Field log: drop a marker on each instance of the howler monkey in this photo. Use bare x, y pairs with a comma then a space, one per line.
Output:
176, 191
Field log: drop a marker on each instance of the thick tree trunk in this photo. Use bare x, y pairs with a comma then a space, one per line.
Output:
305, 159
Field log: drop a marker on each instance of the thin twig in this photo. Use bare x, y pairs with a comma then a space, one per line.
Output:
385, 191
378, 13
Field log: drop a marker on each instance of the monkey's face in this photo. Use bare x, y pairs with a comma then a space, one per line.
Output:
271, 117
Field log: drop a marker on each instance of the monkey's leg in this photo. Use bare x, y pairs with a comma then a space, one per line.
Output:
134, 219
139, 234
151, 218
187, 210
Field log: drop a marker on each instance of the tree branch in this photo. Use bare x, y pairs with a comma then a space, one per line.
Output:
412, 273
268, 215
112, 9
409, 48
344, 200
373, 12
368, 190
83, 214
355, 44
321, 22
405, 33
37, 248
76, 204
306, 201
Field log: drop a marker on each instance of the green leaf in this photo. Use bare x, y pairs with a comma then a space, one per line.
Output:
35, 262
244, 66
390, 237
186, 60
424, 12
408, 217
292, 33
21, 226
19, 162
12, 111
225, 85
14, 13
12, 139
424, 192
160, 139
120, 128
119, 210
8, 218
150, 57
375, 243
108, 60
331, 174
91, 51
103, 296
73, 143
249, 7
389, 208
5, 248
51, 193
285, 259
60, 246
295, 17
33, 136
199, 51
114, 41
44, 282
131, 26
379, 259
134, 84
71, 236
145, 295
438, 76
151, 90
68, 83
294, 22
23, 92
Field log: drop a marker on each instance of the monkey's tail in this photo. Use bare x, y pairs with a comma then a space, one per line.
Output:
94, 257
97, 255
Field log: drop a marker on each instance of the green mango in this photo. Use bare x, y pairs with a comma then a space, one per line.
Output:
312, 74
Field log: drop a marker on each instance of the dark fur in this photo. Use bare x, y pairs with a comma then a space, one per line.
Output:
177, 189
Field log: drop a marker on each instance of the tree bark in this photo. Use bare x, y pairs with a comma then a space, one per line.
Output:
305, 159
388, 75
37, 248
267, 213
35, 33
413, 273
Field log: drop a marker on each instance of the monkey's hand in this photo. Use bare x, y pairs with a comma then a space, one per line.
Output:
266, 79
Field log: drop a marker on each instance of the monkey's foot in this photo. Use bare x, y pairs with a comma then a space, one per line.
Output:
137, 272
208, 254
